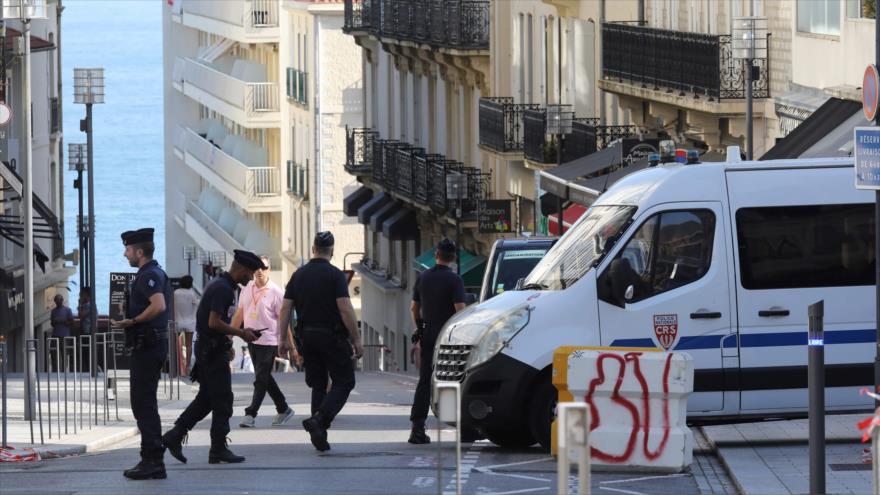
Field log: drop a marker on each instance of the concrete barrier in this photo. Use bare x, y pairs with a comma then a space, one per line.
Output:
638, 404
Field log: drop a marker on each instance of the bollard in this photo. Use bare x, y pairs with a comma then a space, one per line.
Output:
85, 343
3, 389
28, 387
55, 342
66, 371
449, 411
47, 361
113, 338
70, 351
816, 371
33, 345
103, 343
573, 437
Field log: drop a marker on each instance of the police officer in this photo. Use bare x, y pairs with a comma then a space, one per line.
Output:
145, 322
438, 294
327, 332
211, 368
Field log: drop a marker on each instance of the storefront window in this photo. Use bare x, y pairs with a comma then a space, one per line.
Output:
818, 16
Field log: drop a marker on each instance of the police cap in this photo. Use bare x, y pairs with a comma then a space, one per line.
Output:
324, 239
249, 260
139, 236
446, 246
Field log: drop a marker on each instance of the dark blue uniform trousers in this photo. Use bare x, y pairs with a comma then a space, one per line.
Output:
215, 396
326, 354
146, 369
422, 399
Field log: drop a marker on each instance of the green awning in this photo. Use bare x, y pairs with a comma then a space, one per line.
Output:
472, 266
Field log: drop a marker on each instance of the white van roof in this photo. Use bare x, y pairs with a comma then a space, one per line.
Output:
674, 182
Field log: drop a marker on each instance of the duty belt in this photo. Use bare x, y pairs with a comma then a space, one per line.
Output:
138, 338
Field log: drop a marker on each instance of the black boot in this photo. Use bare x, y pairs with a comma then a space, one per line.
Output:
147, 469
317, 428
418, 436
220, 453
173, 441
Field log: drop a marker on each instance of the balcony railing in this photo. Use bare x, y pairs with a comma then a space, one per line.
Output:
297, 86
54, 114
251, 97
587, 136
690, 63
458, 24
297, 180
501, 123
359, 151
249, 14
253, 182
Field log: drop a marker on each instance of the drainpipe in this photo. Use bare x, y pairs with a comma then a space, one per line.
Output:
602, 104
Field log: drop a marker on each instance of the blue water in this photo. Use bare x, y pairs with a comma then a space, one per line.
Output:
124, 37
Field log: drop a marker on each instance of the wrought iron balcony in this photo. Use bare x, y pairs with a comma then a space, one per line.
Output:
586, 137
690, 63
456, 24
359, 151
501, 123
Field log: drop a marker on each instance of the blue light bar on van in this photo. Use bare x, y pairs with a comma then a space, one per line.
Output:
693, 156
816, 341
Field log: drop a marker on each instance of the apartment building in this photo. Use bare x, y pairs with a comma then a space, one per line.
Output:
51, 274
255, 109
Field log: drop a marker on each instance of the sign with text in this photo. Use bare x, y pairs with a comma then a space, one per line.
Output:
494, 216
119, 284
866, 150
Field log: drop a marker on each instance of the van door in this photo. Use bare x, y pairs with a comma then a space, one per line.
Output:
676, 293
802, 236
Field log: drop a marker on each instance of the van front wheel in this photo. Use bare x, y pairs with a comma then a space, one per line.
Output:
542, 411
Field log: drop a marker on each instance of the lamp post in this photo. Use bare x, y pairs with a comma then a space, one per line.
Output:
24, 11
749, 44
88, 89
76, 159
189, 254
559, 121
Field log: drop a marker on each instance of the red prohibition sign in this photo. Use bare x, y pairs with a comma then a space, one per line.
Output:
870, 91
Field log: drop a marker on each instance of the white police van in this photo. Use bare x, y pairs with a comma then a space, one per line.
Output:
719, 260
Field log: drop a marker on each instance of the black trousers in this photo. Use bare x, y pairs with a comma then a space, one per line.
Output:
215, 396
146, 368
263, 357
327, 355
422, 399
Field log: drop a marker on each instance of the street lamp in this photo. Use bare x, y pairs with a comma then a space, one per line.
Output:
749, 44
76, 159
24, 11
189, 254
88, 89
559, 121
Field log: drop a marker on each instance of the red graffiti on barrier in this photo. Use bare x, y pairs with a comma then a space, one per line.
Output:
639, 421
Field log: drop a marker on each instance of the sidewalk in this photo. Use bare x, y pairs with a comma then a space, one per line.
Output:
772, 457
72, 438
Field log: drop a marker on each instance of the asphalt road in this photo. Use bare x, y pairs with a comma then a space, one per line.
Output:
369, 455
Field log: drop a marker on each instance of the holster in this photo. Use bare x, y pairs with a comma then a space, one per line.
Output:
137, 339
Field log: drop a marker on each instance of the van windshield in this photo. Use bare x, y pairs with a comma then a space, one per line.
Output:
580, 248
512, 266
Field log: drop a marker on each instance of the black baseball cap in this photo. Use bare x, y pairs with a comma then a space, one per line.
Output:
137, 236
249, 260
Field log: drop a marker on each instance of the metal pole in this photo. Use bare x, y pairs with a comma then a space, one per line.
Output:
27, 202
57, 343
106, 376
70, 348
27, 388
3, 358
749, 131
85, 342
63, 351
115, 379
458, 238
877, 241
33, 345
90, 168
47, 358
79, 228
816, 372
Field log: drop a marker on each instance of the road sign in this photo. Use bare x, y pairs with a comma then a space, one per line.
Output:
5, 114
866, 150
870, 91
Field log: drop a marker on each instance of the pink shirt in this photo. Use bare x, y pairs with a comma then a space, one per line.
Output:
261, 308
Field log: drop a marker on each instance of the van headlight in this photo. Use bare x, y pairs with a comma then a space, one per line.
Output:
498, 334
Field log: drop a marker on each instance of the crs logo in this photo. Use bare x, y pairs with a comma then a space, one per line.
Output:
666, 330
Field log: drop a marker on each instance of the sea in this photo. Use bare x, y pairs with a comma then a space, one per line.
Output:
125, 38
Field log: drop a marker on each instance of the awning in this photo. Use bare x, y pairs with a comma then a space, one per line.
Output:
355, 200
825, 119
46, 225
372, 206
586, 191
401, 226
569, 216
555, 180
382, 214
838, 142
472, 266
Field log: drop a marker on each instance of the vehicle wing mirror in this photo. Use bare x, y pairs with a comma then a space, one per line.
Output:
622, 279
628, 294
519, 284
469, 298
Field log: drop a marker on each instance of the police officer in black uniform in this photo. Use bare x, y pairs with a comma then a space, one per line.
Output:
146, 319
212, 362
327, 333
438, 294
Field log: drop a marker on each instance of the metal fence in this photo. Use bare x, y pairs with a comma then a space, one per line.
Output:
501, 123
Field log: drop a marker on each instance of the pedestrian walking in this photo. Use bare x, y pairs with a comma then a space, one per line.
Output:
84, 311
437, 295
61, 318
327, 332
211, 368
145, 323
260, 307
186, 301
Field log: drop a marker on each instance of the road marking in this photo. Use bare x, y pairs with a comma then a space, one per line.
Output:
618, 490
423, 482
520, 463
525, 490
467, 465
489, 470
645, 478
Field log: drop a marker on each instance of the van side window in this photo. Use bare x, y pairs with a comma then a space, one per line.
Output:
669, 250
806, 246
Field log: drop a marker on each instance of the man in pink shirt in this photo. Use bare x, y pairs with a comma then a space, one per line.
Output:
259, 306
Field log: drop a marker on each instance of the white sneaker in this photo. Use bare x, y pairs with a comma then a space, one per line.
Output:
248, 422
281, 419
